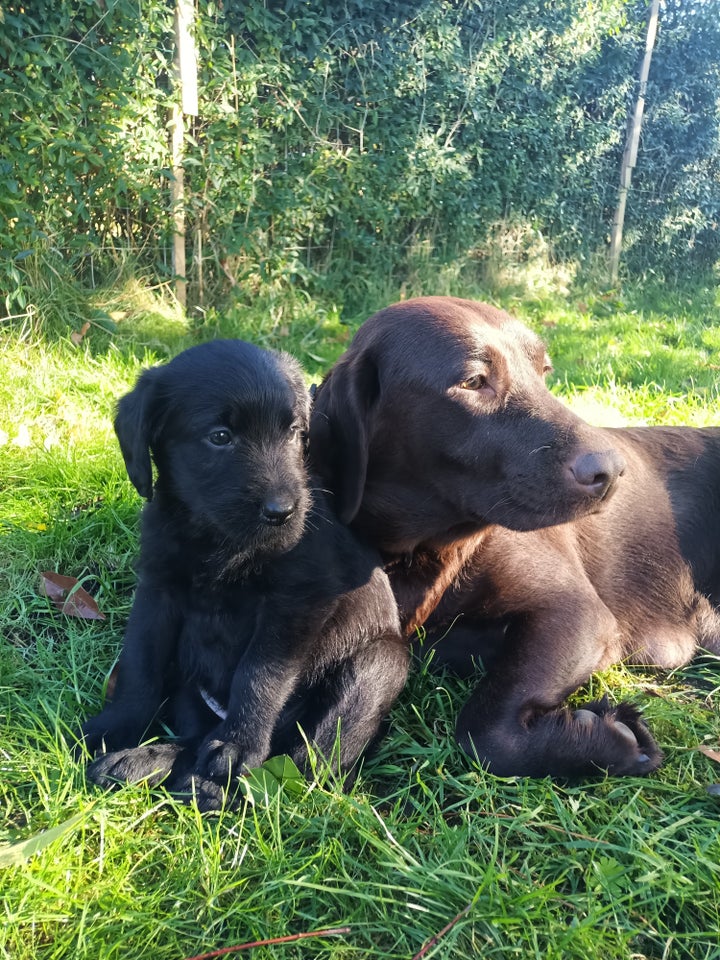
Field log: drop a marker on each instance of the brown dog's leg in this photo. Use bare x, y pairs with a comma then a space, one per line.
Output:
515, 722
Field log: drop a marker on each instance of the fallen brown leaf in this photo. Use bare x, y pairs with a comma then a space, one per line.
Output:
77, 336
69, 597
709, 752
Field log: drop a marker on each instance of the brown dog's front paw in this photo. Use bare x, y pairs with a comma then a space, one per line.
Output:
625, 745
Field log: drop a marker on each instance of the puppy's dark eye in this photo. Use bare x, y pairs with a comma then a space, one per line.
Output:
220, 438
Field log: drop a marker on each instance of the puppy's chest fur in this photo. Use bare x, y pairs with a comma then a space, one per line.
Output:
282, 606
271, 608
216, 629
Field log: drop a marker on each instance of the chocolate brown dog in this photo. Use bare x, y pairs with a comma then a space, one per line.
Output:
258, 620
516, 533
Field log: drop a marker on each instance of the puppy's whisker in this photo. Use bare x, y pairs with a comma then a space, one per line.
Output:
502, 502
319, 516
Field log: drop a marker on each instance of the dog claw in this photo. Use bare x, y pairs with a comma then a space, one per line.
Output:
616, 738
626, 732
585, 718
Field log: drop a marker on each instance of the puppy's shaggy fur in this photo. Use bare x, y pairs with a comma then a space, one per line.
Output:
258, 619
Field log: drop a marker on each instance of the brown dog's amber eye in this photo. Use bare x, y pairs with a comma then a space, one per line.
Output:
220, 438
478, 382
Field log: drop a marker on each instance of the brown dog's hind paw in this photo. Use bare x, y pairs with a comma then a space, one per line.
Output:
561, 743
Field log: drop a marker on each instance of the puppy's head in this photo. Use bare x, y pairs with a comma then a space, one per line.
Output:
225, 424
437, 421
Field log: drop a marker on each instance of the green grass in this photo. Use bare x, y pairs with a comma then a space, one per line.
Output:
607, 869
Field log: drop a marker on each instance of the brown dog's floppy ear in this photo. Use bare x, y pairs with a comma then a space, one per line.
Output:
133, 427
341, 427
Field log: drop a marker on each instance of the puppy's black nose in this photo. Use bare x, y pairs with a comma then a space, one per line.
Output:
277, 510
596, 473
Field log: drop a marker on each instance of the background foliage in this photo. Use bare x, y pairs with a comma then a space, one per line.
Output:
342, 141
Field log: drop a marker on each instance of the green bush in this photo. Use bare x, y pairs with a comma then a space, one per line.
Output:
338, 142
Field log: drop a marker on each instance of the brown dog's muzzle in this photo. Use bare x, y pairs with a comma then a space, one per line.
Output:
596, 474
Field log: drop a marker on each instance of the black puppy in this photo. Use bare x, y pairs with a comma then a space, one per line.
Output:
258, 619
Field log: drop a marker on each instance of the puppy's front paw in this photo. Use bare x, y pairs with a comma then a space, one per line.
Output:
108, 731
207, 795
152, 762
168, 764
222, 760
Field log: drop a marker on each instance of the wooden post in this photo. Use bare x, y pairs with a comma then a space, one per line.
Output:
185, 75
629, 159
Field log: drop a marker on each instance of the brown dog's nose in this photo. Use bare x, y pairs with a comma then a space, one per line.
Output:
277, 510
596, 473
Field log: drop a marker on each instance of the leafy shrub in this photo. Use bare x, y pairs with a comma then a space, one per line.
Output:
337, 140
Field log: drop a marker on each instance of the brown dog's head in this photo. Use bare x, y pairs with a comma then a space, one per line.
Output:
437, 422
225, 423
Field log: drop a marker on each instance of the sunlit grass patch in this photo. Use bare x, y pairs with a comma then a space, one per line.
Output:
313, 332
426, 840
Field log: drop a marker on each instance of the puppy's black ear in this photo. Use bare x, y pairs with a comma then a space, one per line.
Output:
341, 427
134, 426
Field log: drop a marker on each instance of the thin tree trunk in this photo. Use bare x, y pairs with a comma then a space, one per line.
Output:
186, 103
631, 146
